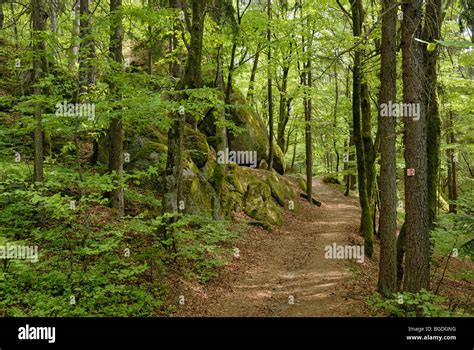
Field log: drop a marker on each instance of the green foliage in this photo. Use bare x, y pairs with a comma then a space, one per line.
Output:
422, 303
455, 232
196, 241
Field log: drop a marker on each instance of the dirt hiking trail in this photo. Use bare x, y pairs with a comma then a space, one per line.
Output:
285, 272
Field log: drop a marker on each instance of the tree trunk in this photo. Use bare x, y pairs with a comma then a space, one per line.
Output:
306, 78
309, 132
450, 155
283, 116
87, 49
193, 72
115, 130
221, 130
369, 149
40, 68
334, 121
75, 34
173, 192
366, 220
432, 32
270, 86
253, 74
293, 158
54, 15
416, 189
387, 283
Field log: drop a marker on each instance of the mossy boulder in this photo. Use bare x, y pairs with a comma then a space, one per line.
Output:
196, 146
208, 171
149, 154
300, 179
234, 179
279, 163
251, 134
260, 206
199, 195
231, 201
280, 188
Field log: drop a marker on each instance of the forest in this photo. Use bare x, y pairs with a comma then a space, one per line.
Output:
180, 158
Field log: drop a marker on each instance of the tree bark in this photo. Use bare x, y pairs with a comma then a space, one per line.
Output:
366, 219
387, 282
173, 192
253, 74
306, 78
452, 182
115, 129
369, 149
283, 109
432, 32
75, 34
40, 67
334, 120
87, 49
309, 131
270, 87
416, 189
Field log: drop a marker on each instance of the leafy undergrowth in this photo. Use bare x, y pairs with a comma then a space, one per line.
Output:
452, 267
420, 304
91, 263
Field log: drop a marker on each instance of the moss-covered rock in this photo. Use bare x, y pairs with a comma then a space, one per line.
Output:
258, 204
208, 171
253, 134
199, 195
234, 178
279, 163
149, 154
231, 201
197, 147
300, 180
280, 188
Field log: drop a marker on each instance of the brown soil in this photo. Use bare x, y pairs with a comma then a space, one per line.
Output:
285, 272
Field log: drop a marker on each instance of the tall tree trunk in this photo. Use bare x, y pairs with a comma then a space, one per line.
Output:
221, 130
387, 283
306, 78
54, 7
366, 220
293, 158
40, 68
228, 89
75, 41
351, 179
450, 155
115, 130
87, 49
193, 72
309, 131
173, 180
432, 32
334, 120
270, 87
416, 190
283, 115
253, 74
369, 149
173, 194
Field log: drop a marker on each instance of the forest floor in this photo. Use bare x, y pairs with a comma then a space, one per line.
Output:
285, 273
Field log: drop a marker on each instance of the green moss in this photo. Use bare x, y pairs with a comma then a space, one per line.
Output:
150, 154
196, 145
